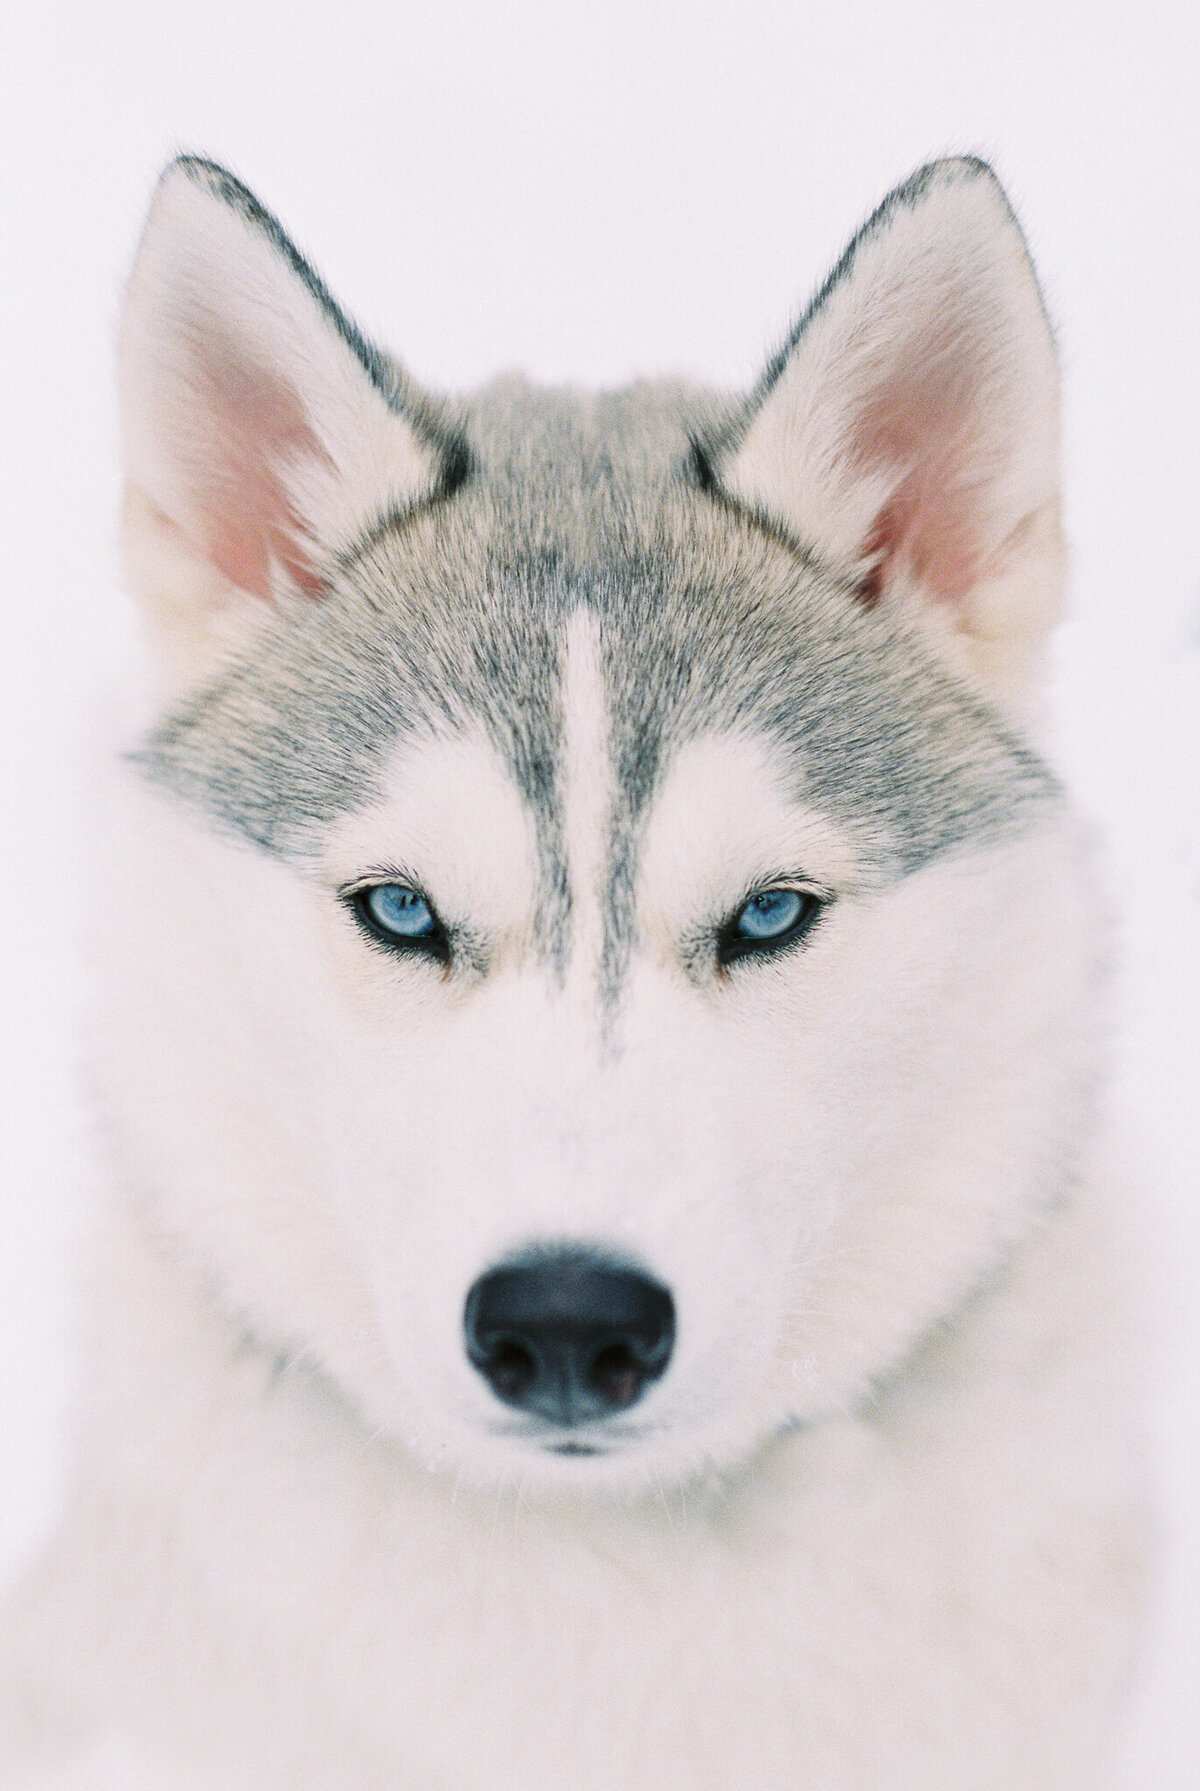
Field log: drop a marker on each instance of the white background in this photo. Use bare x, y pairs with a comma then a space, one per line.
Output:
591, 191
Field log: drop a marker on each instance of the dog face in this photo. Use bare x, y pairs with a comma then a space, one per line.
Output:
595, 944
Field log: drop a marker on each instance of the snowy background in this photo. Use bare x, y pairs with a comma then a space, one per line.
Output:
590, 191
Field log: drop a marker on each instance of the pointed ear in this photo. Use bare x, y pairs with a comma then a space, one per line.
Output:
260, 430
908, 430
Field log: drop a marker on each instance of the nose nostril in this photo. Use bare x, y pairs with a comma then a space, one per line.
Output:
617, 1376
511, 1369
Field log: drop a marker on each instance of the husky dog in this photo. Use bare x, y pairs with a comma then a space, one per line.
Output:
607, 1285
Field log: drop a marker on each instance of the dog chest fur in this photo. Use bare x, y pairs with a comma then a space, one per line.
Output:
740, 1633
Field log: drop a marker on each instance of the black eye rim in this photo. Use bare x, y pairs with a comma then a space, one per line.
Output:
733, 947
435, 945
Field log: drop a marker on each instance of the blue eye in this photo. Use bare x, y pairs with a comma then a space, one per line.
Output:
400, 916
768, 915
770, 920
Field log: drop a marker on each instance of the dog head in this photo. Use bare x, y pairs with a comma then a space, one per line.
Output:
604, 972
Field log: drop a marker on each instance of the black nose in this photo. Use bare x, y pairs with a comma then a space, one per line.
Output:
568, 1335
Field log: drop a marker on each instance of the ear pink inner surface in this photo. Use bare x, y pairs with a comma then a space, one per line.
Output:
247, 428
924, 429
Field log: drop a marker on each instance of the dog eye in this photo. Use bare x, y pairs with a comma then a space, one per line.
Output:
400, 916
771, 920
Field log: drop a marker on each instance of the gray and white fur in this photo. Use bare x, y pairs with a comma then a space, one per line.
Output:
796, 1454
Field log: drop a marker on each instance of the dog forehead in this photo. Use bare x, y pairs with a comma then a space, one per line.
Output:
457, 619
451, 817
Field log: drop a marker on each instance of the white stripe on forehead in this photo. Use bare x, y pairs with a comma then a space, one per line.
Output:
587, 793
452, 818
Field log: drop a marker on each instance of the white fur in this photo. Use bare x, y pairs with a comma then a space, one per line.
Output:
874, 1527
588, 797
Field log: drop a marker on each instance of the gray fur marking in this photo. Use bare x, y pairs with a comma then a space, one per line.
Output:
708, 621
